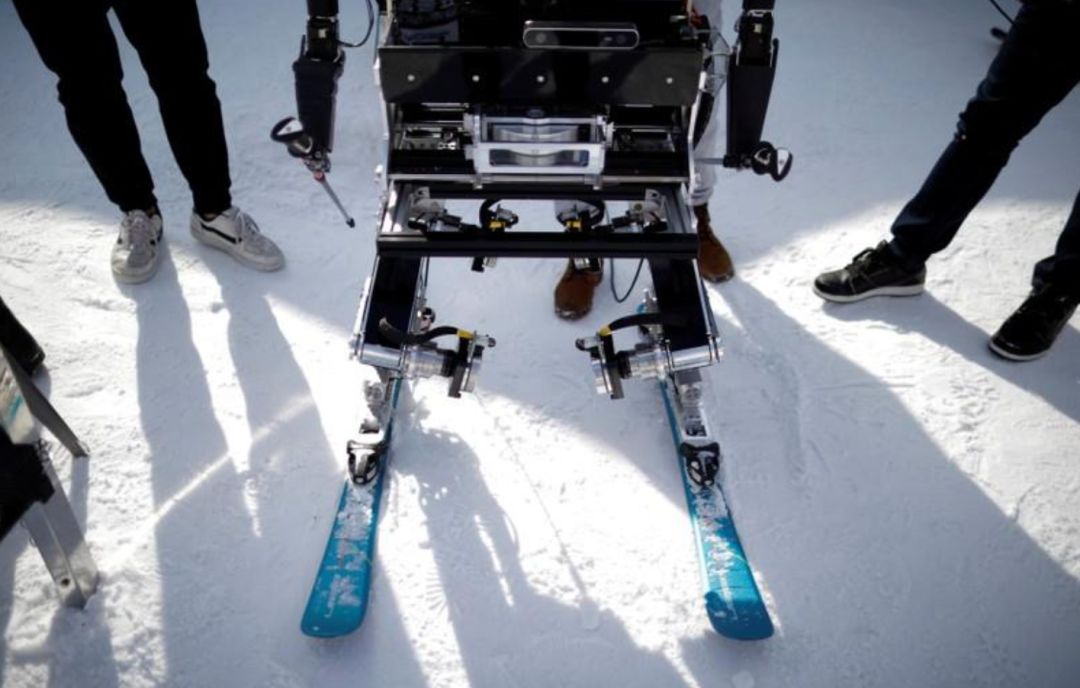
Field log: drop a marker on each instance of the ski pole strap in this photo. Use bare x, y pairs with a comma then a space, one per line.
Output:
286, 131
770, 160
765, 159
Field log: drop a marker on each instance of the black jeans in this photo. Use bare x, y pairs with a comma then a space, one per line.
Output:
76, 42
1037, 66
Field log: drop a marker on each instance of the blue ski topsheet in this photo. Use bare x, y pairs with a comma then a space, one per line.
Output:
732, 600
339, 597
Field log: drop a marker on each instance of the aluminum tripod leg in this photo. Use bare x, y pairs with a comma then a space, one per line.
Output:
60, 540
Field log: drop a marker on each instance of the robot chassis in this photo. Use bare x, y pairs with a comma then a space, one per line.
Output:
497, 101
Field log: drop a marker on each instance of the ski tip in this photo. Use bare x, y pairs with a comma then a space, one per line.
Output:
741, 619
319, 622
326, 630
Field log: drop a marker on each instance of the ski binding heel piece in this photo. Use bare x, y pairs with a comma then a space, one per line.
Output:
702, 462
365, 460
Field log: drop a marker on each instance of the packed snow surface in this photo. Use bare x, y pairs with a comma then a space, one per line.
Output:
911, 504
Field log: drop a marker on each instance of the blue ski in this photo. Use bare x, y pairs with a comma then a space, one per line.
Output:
732, 599
339, 597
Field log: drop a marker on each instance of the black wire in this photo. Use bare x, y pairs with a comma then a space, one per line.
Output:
370, 27
644, 319
611, 281
633, 284
1003, 12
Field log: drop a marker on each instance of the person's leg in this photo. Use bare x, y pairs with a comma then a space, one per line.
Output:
1063, 268
169, 40
76, 43
1031, 330
1035, 69
714, 262
575, 289
168, 37
708, 141
708, 146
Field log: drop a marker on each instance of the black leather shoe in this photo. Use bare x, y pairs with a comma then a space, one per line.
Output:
876, 271
1029, 333
574, 292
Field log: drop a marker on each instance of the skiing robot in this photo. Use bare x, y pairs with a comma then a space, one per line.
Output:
589, 105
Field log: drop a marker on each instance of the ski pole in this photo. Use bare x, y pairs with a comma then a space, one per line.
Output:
301, 146
321, 178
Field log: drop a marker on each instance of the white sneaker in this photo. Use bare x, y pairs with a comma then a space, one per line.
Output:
136, 255
235, 233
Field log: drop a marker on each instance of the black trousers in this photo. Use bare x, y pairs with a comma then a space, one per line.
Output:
76, 42
1037, 66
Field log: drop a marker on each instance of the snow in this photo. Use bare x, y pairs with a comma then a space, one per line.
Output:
909, 501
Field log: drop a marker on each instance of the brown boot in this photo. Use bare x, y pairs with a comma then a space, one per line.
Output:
714, 263
574, 292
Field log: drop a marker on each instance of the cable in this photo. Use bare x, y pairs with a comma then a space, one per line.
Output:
370, 28
611, 280
633, 284
1003, 12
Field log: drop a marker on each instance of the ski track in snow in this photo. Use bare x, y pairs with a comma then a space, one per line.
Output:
908, 501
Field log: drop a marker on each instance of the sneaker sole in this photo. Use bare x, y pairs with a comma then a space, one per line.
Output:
1010, 356
139, 279
130, 279
226, 247
913, 290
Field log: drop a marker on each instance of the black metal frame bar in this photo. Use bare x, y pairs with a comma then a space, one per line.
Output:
660, 76
516, 244
396, 240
